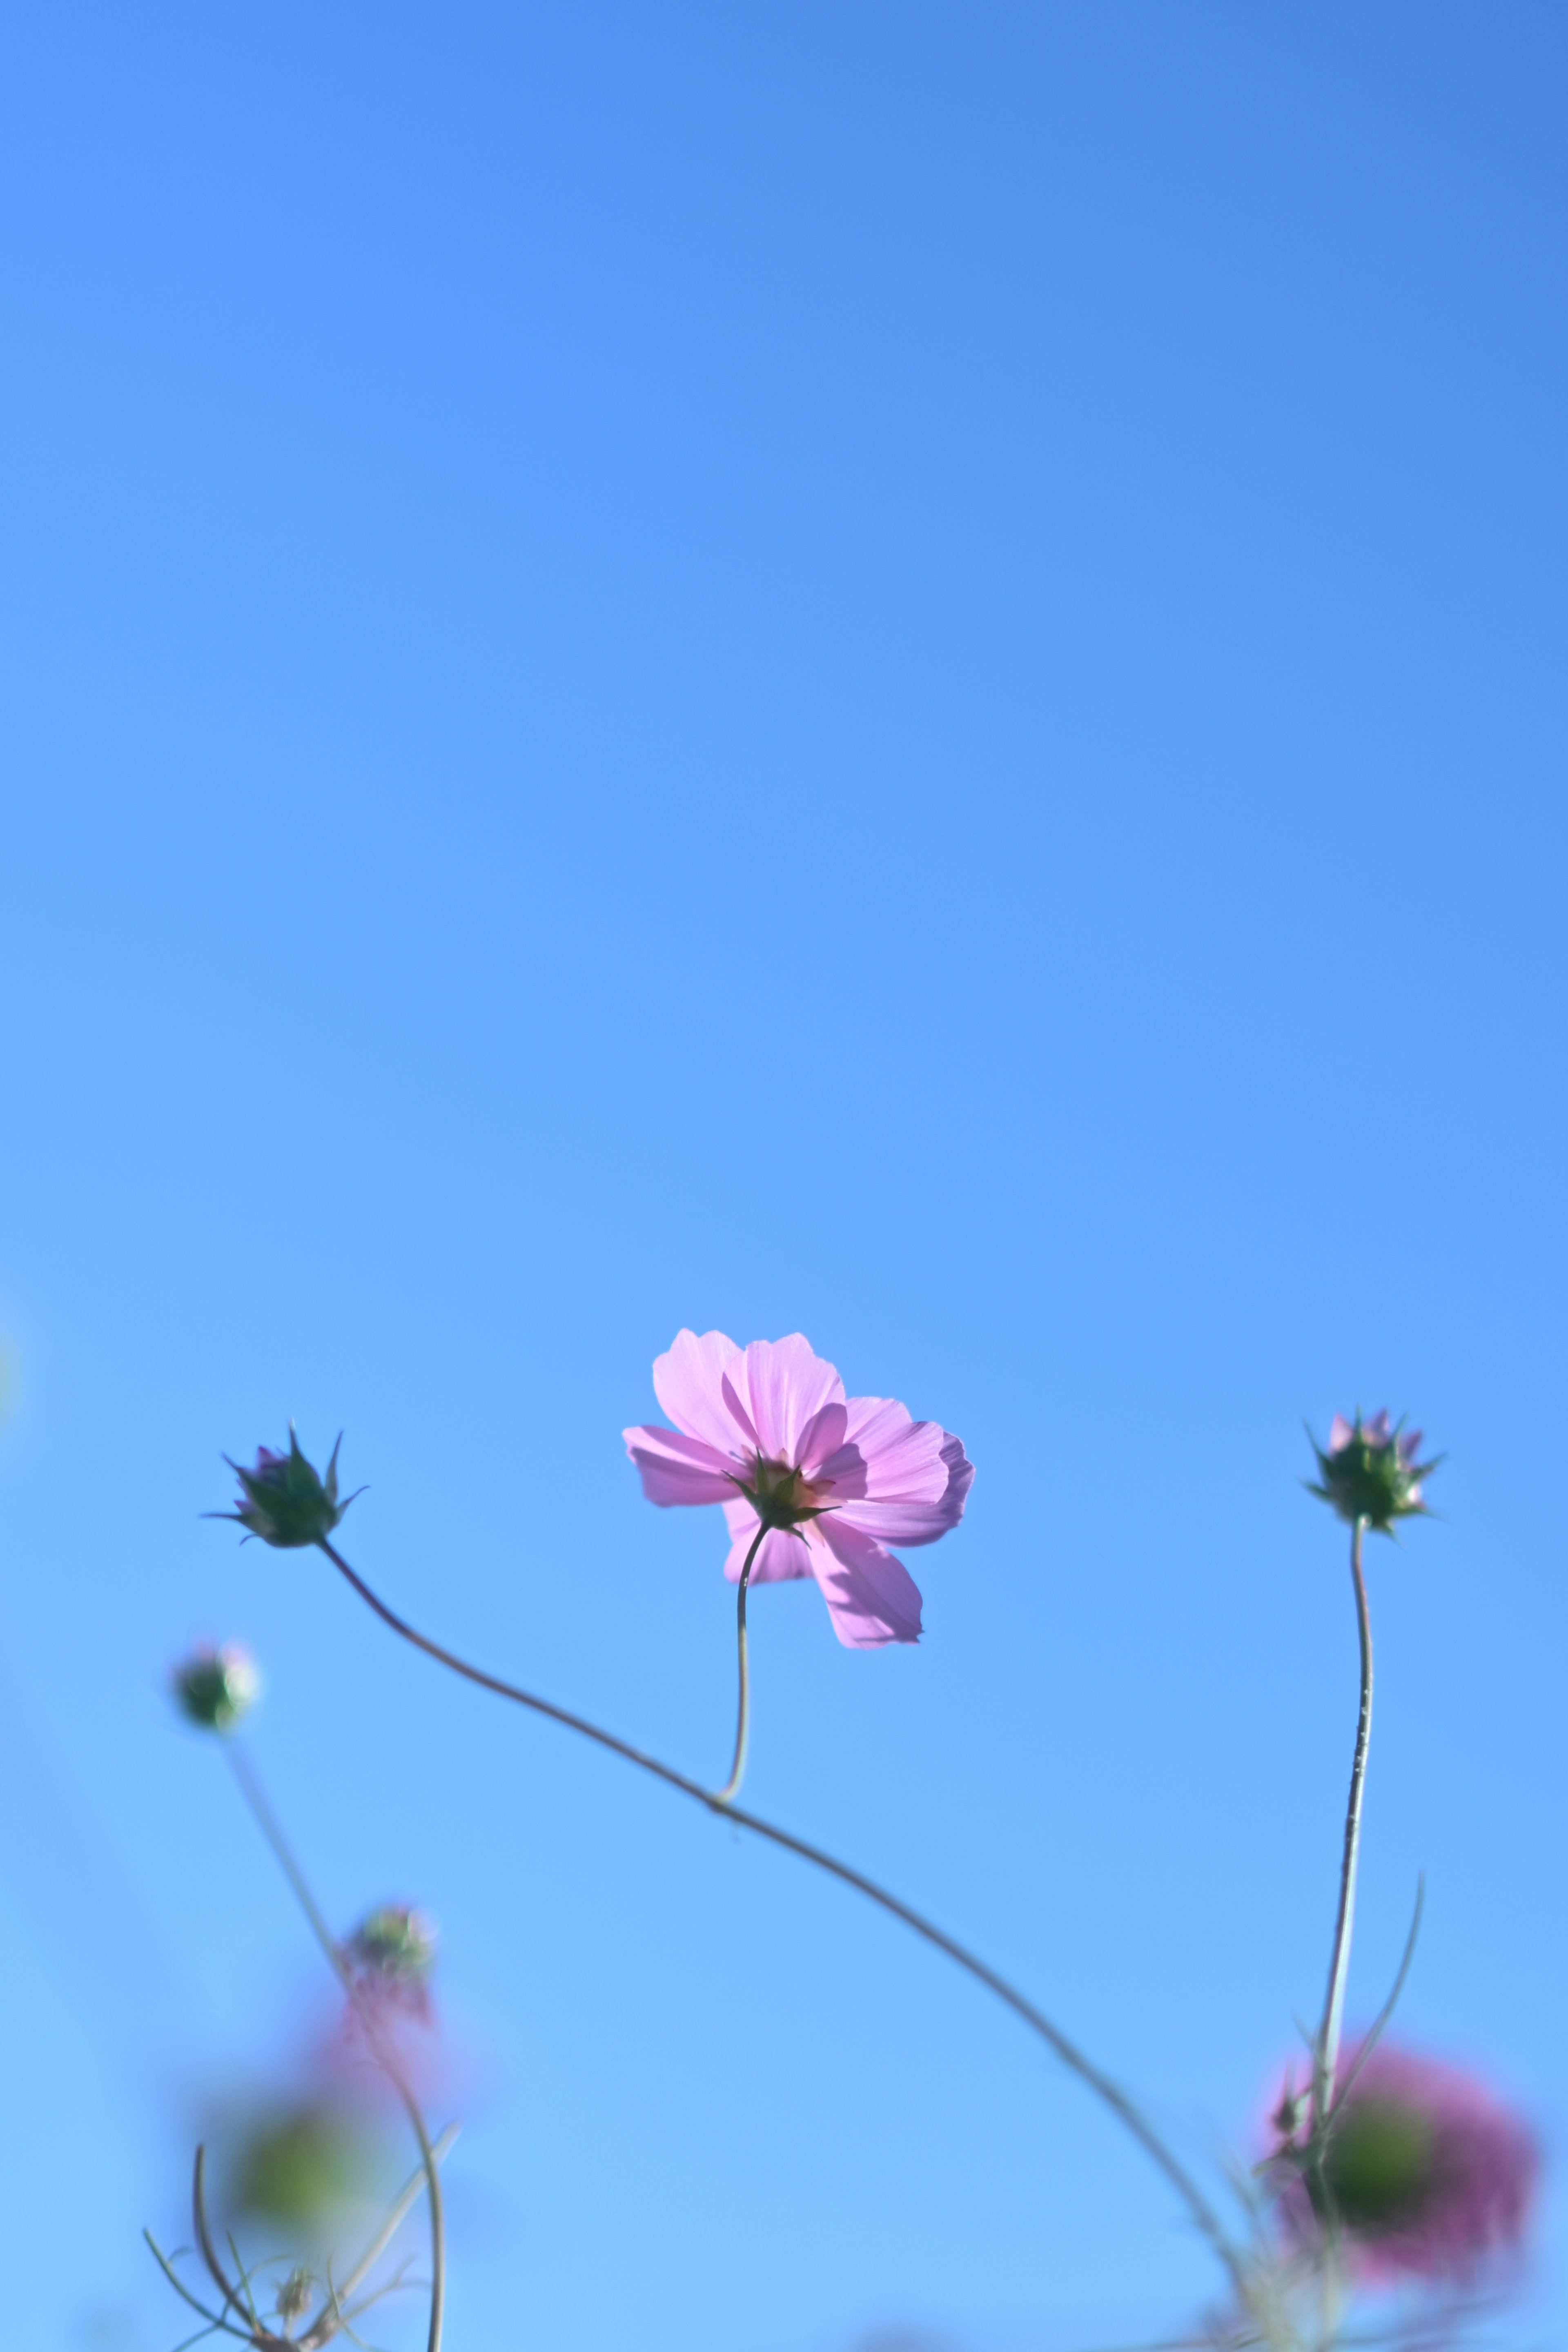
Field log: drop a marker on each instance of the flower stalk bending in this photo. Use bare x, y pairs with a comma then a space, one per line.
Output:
1119, 2101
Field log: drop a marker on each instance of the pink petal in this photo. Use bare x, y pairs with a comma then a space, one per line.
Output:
1377, 1427
1410, 1445
904, 1458
959, 1475
875, 1422
735, 1406
677, 1469
899, 1480
872, 1424
821, 1438
1340, 1434
689, 1383
786, 1384
871, 1597
900, 1523
782, 1556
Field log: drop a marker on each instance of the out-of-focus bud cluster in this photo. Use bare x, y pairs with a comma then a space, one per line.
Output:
284, 1500
216, 1687
392, 1953
1424, 2173
302, 2157
1370, 1471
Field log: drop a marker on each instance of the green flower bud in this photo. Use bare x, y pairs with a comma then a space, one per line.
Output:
1370, 1472
217, 1687
296, 2169
293, 2298
394, 1943
284, 1500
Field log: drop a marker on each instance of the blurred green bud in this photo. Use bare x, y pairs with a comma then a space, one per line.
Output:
284, 1500
394, 1943
217, 1687
1378, 2164
1370, 1471
298, 2168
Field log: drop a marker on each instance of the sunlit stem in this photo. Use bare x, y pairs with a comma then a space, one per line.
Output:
271, 1830
441, 2148
1121, 2104
731, 1788
1326, 2055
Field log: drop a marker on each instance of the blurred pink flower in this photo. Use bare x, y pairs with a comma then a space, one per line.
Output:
768, 1433
1431, 2175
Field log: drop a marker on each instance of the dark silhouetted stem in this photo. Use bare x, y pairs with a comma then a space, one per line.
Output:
271, 1830
731, 1788
1119, 2100
204, 2234
1326, 2056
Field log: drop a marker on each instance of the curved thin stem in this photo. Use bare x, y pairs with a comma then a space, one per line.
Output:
731, 1788
215, 2324
271, 1830
204, 2234
1119, 2101
1326, 2055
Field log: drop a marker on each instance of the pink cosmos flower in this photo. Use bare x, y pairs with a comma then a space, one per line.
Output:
768, 1433
1431, 2175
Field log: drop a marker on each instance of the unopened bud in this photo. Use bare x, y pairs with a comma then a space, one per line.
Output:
294, 2295
1370, 1471
284, 1500
394, 1943
217, 1687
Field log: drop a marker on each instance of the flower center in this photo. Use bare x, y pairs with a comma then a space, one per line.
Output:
1380, 2165
781, 1496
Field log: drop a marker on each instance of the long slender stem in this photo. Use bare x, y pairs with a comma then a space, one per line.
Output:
731, 1788
1327, 2054
1119, 2101
440, 2148
271, 1829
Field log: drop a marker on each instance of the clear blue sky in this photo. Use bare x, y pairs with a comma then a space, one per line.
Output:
890, 671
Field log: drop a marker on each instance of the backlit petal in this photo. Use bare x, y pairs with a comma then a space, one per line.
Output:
871, 1597
678, 1469
821, 1438
786, 1386
688, 1382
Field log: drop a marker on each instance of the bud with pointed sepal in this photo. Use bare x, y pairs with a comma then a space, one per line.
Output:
1370, 1472
284, 1500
